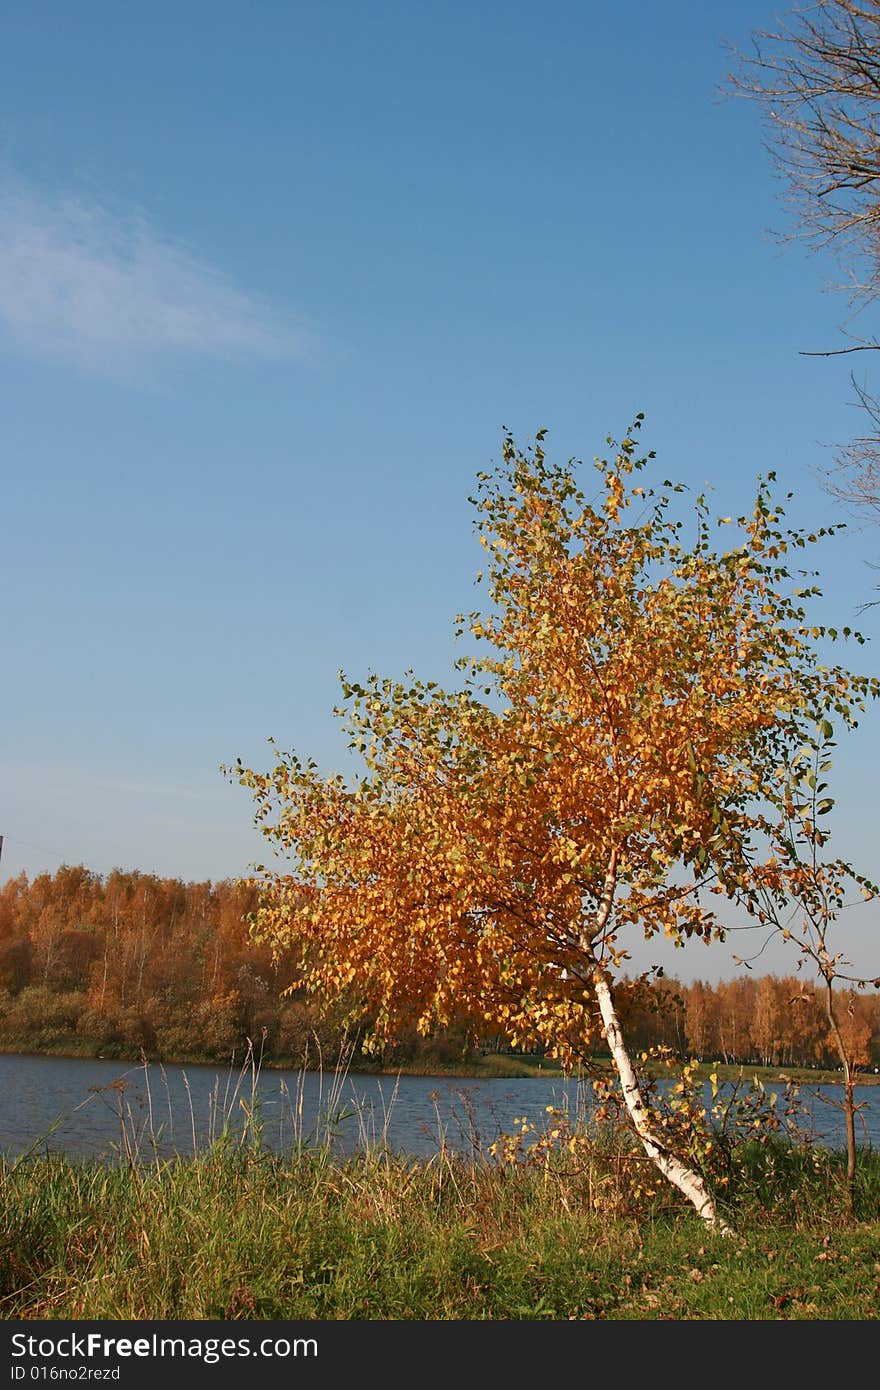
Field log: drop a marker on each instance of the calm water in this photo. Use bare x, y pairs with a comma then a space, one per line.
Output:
93, 1108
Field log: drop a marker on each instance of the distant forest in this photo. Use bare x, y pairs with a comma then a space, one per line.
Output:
126, 963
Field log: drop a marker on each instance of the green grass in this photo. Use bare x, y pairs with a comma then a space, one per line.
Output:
240, 1233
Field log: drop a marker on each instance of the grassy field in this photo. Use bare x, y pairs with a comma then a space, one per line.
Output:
238, 1233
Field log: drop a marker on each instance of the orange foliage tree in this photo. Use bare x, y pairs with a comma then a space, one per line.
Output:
614, 755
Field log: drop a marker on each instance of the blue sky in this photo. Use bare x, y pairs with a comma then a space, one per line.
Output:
273, 280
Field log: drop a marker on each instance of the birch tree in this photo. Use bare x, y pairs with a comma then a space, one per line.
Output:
608, 761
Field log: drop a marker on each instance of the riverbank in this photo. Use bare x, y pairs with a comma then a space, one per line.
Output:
480, 1066
243, 1235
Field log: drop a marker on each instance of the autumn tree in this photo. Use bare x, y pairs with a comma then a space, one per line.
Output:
140, 961
806, 1027
701, 1019
770, 1021
610, 759
816, 79
736, 1005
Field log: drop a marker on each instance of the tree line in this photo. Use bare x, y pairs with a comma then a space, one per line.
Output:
128, 961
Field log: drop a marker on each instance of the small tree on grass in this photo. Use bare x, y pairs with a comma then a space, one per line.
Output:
801, 894
616, 753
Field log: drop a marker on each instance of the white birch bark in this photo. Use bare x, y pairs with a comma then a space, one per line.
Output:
689, 1183
685, 1179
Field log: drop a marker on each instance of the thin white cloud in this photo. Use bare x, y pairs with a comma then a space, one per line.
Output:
79, 284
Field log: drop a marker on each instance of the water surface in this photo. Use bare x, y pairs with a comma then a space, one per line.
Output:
95, 1108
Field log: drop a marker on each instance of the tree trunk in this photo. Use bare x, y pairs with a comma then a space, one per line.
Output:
850, 1109
848, 1092
685, 1179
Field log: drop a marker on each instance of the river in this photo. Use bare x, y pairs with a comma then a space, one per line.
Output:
95, 1108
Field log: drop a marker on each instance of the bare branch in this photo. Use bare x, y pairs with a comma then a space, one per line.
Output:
841, 352
816, 79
